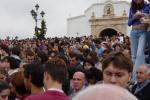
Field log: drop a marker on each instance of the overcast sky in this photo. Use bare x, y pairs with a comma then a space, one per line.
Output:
16, 20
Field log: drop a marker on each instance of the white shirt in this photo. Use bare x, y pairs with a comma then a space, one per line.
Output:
55, 89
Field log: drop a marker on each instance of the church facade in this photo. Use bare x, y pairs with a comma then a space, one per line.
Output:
105, 18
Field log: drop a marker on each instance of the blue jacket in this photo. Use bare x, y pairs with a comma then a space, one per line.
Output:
136, 21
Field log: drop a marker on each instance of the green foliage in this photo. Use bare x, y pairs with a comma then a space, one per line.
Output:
41, 32
7, 37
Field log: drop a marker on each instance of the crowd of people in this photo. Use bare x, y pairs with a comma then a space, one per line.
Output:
23, 63
55, 68
79, 68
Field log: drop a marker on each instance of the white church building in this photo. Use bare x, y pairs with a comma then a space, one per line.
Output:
103, 18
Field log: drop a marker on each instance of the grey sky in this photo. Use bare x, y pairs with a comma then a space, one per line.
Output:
15, 17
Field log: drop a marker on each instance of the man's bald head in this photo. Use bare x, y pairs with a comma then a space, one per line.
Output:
142, 74
104, 92
79, 74
78, 80
143, 67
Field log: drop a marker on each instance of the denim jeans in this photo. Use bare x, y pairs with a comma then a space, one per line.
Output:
138, 40
148, 42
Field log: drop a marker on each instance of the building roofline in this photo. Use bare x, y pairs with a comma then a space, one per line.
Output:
76, 17
103, 3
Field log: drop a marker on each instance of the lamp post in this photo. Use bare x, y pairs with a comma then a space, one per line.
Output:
35, 16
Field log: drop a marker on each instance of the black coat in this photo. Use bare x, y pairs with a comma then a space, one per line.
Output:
143, 93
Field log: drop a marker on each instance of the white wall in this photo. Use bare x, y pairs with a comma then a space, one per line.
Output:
120, 7
97, 9
79, 25
119, 11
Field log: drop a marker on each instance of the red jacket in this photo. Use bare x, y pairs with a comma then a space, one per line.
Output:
49, 95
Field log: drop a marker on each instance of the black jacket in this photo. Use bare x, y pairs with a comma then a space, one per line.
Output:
143, 93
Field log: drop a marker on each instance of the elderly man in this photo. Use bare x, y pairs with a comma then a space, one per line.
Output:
142, 89
104, 92
78, 82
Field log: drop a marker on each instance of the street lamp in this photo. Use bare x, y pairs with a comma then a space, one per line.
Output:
42, 13
35, 15
37, 6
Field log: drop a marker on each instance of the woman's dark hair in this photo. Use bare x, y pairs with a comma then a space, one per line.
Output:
93, 75
89, 61
43, 56
18, 82
4, 85
135, 6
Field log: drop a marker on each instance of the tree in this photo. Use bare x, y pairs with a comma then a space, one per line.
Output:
41, 32
7, 37
43, 29
16, 37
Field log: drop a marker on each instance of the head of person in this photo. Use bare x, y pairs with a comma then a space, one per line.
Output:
6, 61
33, 75
137, 5
16, 50
104, 91
78, 80
17, 81
4, 90
30, 56
2, 76
93, 75
117, 69
88, 64
138, 1
43, 56
118, 47
142, 74
55, 72
73, 59
93, 55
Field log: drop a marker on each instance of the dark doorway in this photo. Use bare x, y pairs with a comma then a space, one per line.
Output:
108, 32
